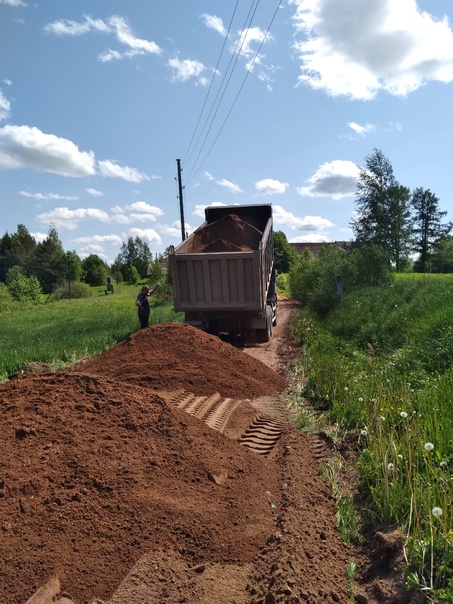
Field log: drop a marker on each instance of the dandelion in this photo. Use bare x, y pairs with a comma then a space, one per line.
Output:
400, 457
381, 418
436, 512
390, 467
443, 464
403, 414
429, 446
364, 432
360, 399
346, 388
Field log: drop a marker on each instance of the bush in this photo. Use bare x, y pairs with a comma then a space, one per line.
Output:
23, 288
73, 290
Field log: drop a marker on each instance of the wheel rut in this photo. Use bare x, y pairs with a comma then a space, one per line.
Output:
260, 436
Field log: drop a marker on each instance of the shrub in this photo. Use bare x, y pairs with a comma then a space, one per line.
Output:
75, 289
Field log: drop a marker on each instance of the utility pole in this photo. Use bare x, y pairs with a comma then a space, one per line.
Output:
181, 203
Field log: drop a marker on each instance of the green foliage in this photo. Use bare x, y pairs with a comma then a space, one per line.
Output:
134, 253
156, 274
74, 269
50, 264
381, 364
69, 290
320, 282
95, 270
23, 289
7, 302
285, 255
131, 275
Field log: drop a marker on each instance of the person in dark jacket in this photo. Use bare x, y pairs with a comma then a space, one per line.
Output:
142, 303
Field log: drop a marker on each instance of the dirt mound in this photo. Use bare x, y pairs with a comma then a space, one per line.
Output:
238, 233
95, 472
173, 356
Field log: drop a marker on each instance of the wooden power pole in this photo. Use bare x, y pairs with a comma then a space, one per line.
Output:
181, 202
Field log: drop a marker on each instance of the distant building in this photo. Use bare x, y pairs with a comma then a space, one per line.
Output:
315, 248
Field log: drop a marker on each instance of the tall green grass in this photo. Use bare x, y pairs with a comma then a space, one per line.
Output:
64, 332
382, 364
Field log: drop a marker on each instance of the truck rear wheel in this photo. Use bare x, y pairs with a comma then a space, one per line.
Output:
264, 335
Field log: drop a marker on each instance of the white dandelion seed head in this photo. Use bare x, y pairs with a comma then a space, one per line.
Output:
390, 467
346, 388
400, 457
364, 432
436, 512
443, 464
429, 446
403, 414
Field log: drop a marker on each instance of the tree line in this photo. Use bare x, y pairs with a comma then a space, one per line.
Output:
29, 268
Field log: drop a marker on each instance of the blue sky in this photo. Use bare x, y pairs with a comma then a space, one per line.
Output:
263, 102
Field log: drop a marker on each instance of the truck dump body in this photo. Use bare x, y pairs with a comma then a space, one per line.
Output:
226, 265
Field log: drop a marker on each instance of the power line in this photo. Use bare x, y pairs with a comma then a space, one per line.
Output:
227, 77
195, 171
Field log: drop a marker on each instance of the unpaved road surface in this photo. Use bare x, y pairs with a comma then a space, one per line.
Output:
165, 471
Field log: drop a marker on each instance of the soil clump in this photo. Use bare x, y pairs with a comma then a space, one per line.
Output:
229, 233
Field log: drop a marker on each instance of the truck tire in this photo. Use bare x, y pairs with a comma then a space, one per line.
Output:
264, 335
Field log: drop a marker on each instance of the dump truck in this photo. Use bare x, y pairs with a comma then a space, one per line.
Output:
223, 274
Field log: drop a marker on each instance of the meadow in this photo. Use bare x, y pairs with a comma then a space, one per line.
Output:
379, 370
63, 332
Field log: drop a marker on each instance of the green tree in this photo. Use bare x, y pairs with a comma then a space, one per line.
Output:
285, 254
17, 249
23, 288
131, 275
136, 253
428, 229
441, 258
50, 264
383, 208
155, 273
95, 270
74, 268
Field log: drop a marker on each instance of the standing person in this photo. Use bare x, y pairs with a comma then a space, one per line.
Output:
142, 303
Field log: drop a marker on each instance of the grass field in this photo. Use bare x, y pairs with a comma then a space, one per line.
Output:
382, 366
64, 332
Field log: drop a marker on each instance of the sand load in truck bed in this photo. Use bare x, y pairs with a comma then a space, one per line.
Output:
227, 234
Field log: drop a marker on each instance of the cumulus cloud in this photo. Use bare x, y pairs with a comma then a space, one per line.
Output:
115, 25
310, 238
139, 211
334, 179
361, 130
295, 223
174, 230
111, 169
5, 107
214, 23
99, 240
227, 184
149, 235
188, 69
67, 220
95, 192
356, 48
26, 147
47, 196
269, 186
13, 2
247, 44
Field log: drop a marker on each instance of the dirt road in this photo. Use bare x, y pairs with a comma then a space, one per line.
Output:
115, 485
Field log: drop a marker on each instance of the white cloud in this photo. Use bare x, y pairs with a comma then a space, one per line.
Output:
361, 130
174, 230
139, 211
25, 147
66, 219
5, 107
199, 209
28, 147
334, 179
227, 184
357, 48
310, 238
46, 196
247, 38
13, 2
111, 169
99, 239
269, 186
307, 223
148, 235
39, 236
188, 69
95, 192
214, 23
115, 25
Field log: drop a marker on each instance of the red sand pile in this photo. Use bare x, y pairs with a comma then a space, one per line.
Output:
229, 233
174, 356
94, 472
